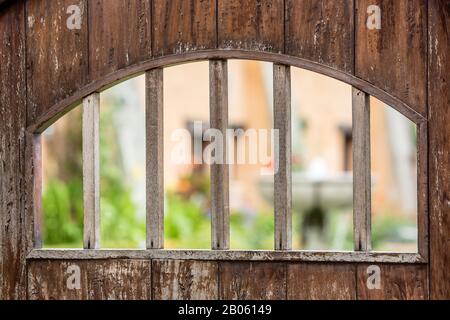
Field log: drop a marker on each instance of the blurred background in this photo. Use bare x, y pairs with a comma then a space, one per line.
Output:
322, 179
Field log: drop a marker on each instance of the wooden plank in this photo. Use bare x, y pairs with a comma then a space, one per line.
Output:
320, 281
89, 280
119, 35
155, 158
12, 152
184, 280
220, 207
401, 282
91, 171
183, 25
283, 172
251, 25
252, 281
321, 31
231, 255
394, 57
57, 56
361, 171
439, 146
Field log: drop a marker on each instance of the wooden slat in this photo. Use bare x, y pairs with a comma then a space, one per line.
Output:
251, 25
184, 280
119, 35
57, 57
439, 146
321, 281
99, 280
155, 157
183, 25
220, 211
321, 31
91, 171
394, 58
252, 281
12, 153
232, 255
361, 171
283, 178
400, 282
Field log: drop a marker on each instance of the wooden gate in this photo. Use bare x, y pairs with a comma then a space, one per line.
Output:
56, 54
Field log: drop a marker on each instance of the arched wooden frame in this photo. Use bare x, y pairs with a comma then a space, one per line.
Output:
362, 90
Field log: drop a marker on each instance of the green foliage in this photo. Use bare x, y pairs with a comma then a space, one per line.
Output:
63, 220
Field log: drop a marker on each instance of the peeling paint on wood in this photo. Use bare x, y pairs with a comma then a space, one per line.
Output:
252, 281
184, 280
106, 280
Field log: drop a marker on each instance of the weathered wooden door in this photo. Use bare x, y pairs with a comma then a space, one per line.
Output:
57, 54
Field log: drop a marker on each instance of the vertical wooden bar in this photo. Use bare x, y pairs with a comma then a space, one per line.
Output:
220, 213
155, 158
35, 139
91, 171
361, 171
283, 178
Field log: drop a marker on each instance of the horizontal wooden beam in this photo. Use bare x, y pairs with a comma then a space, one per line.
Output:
230, 255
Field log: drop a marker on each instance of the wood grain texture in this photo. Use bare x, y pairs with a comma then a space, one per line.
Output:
57, 57
119, 34
251, 25
394, 58
362, 182
91, 171
183, 25
252, 281
155, 157
321, 31
220, 206
184, 280
321, 281
99, 280
231, 255
405, 282
12, 152
439, 147
283, 158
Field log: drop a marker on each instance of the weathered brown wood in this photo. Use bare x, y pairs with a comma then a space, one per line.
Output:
321, 31
65, 105
12, 152
119, 34
105, 280
361, 171
220, 207
252, 281
439, 139
422, 191
402, 282
321, 281
91, 171
155, 158
33, 175
230, 255
57, 56
394, 57
183, 25
251, 25
184, 280
283, 172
